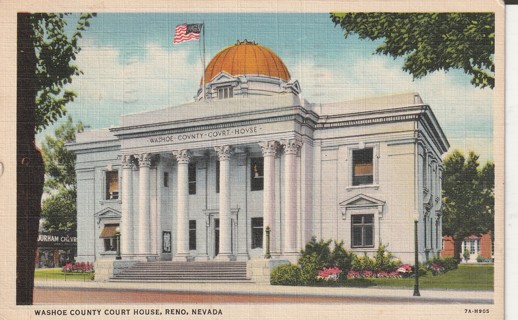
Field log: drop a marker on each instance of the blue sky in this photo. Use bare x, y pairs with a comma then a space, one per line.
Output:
131, 65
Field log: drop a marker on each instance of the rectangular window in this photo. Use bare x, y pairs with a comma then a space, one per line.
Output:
362, 232
256, 174
108, 236
166, 179
363, 169
192, 178
192, 234
425, 233
472, 246
437, 234
112, 185
257, 233
225, 92
431, 233
217, 176
110, 244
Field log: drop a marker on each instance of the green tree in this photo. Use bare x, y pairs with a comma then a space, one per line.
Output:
59, 207
430, 41
45, 55
468, 198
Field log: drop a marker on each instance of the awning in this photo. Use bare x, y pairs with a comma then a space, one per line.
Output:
108, 232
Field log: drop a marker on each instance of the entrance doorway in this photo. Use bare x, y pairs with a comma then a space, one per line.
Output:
213, 233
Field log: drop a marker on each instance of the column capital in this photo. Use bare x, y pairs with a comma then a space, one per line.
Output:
224, 152
291, 146
144, 159
269, 148
127, 161
182, 156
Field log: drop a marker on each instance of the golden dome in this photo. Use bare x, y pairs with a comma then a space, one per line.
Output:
247, 57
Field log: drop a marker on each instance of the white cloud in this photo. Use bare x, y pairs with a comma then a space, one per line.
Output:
113, 86
464, 112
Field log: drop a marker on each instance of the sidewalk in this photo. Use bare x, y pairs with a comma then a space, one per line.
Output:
427, 295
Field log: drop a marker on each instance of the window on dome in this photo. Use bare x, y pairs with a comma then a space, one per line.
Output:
225, 92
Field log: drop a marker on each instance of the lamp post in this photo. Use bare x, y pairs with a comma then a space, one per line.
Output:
118, 239
267, 255
416, 262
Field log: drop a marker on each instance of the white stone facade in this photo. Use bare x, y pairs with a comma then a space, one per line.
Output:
357, 171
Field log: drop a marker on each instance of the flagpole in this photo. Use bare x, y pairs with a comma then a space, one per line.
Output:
203, 75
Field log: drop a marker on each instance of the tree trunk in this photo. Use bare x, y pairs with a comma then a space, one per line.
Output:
457, 249
30, 170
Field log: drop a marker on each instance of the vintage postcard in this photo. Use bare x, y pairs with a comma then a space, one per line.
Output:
245, 160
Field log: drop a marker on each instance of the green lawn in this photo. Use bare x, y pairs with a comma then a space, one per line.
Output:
57, 274
466, 277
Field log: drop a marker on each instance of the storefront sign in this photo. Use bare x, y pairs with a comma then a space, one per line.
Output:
56, 240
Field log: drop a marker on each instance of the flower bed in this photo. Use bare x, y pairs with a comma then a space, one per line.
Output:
319, 264
329, 274
78, 267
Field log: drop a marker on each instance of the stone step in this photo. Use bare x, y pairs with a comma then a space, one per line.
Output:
169, 271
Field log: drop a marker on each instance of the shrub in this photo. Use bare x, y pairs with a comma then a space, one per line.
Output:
309, 267
423, 269
285, 274
439, 265
362, 263
315, 257
384, 260
483, 259
466, 255
449, 263
341, 258
319, 250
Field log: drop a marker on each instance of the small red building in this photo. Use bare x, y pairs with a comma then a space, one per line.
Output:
477, 246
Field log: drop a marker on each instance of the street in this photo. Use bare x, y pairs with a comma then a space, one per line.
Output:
49, 295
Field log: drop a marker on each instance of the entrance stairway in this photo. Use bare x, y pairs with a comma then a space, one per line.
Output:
196, 271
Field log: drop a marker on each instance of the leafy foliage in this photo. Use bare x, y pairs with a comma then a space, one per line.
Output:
384, 260
59, 207
430, 41
320, 265
286, 274
55, 52
441, 265
341, 258
468, 197
315, 256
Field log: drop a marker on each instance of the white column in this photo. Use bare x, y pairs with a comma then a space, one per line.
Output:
291, 148
225, 220
144, 243
269, 149
127, 206
182, 205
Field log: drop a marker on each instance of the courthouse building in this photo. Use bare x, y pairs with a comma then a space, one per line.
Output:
204, 180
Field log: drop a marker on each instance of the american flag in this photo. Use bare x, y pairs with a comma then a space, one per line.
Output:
186, 32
